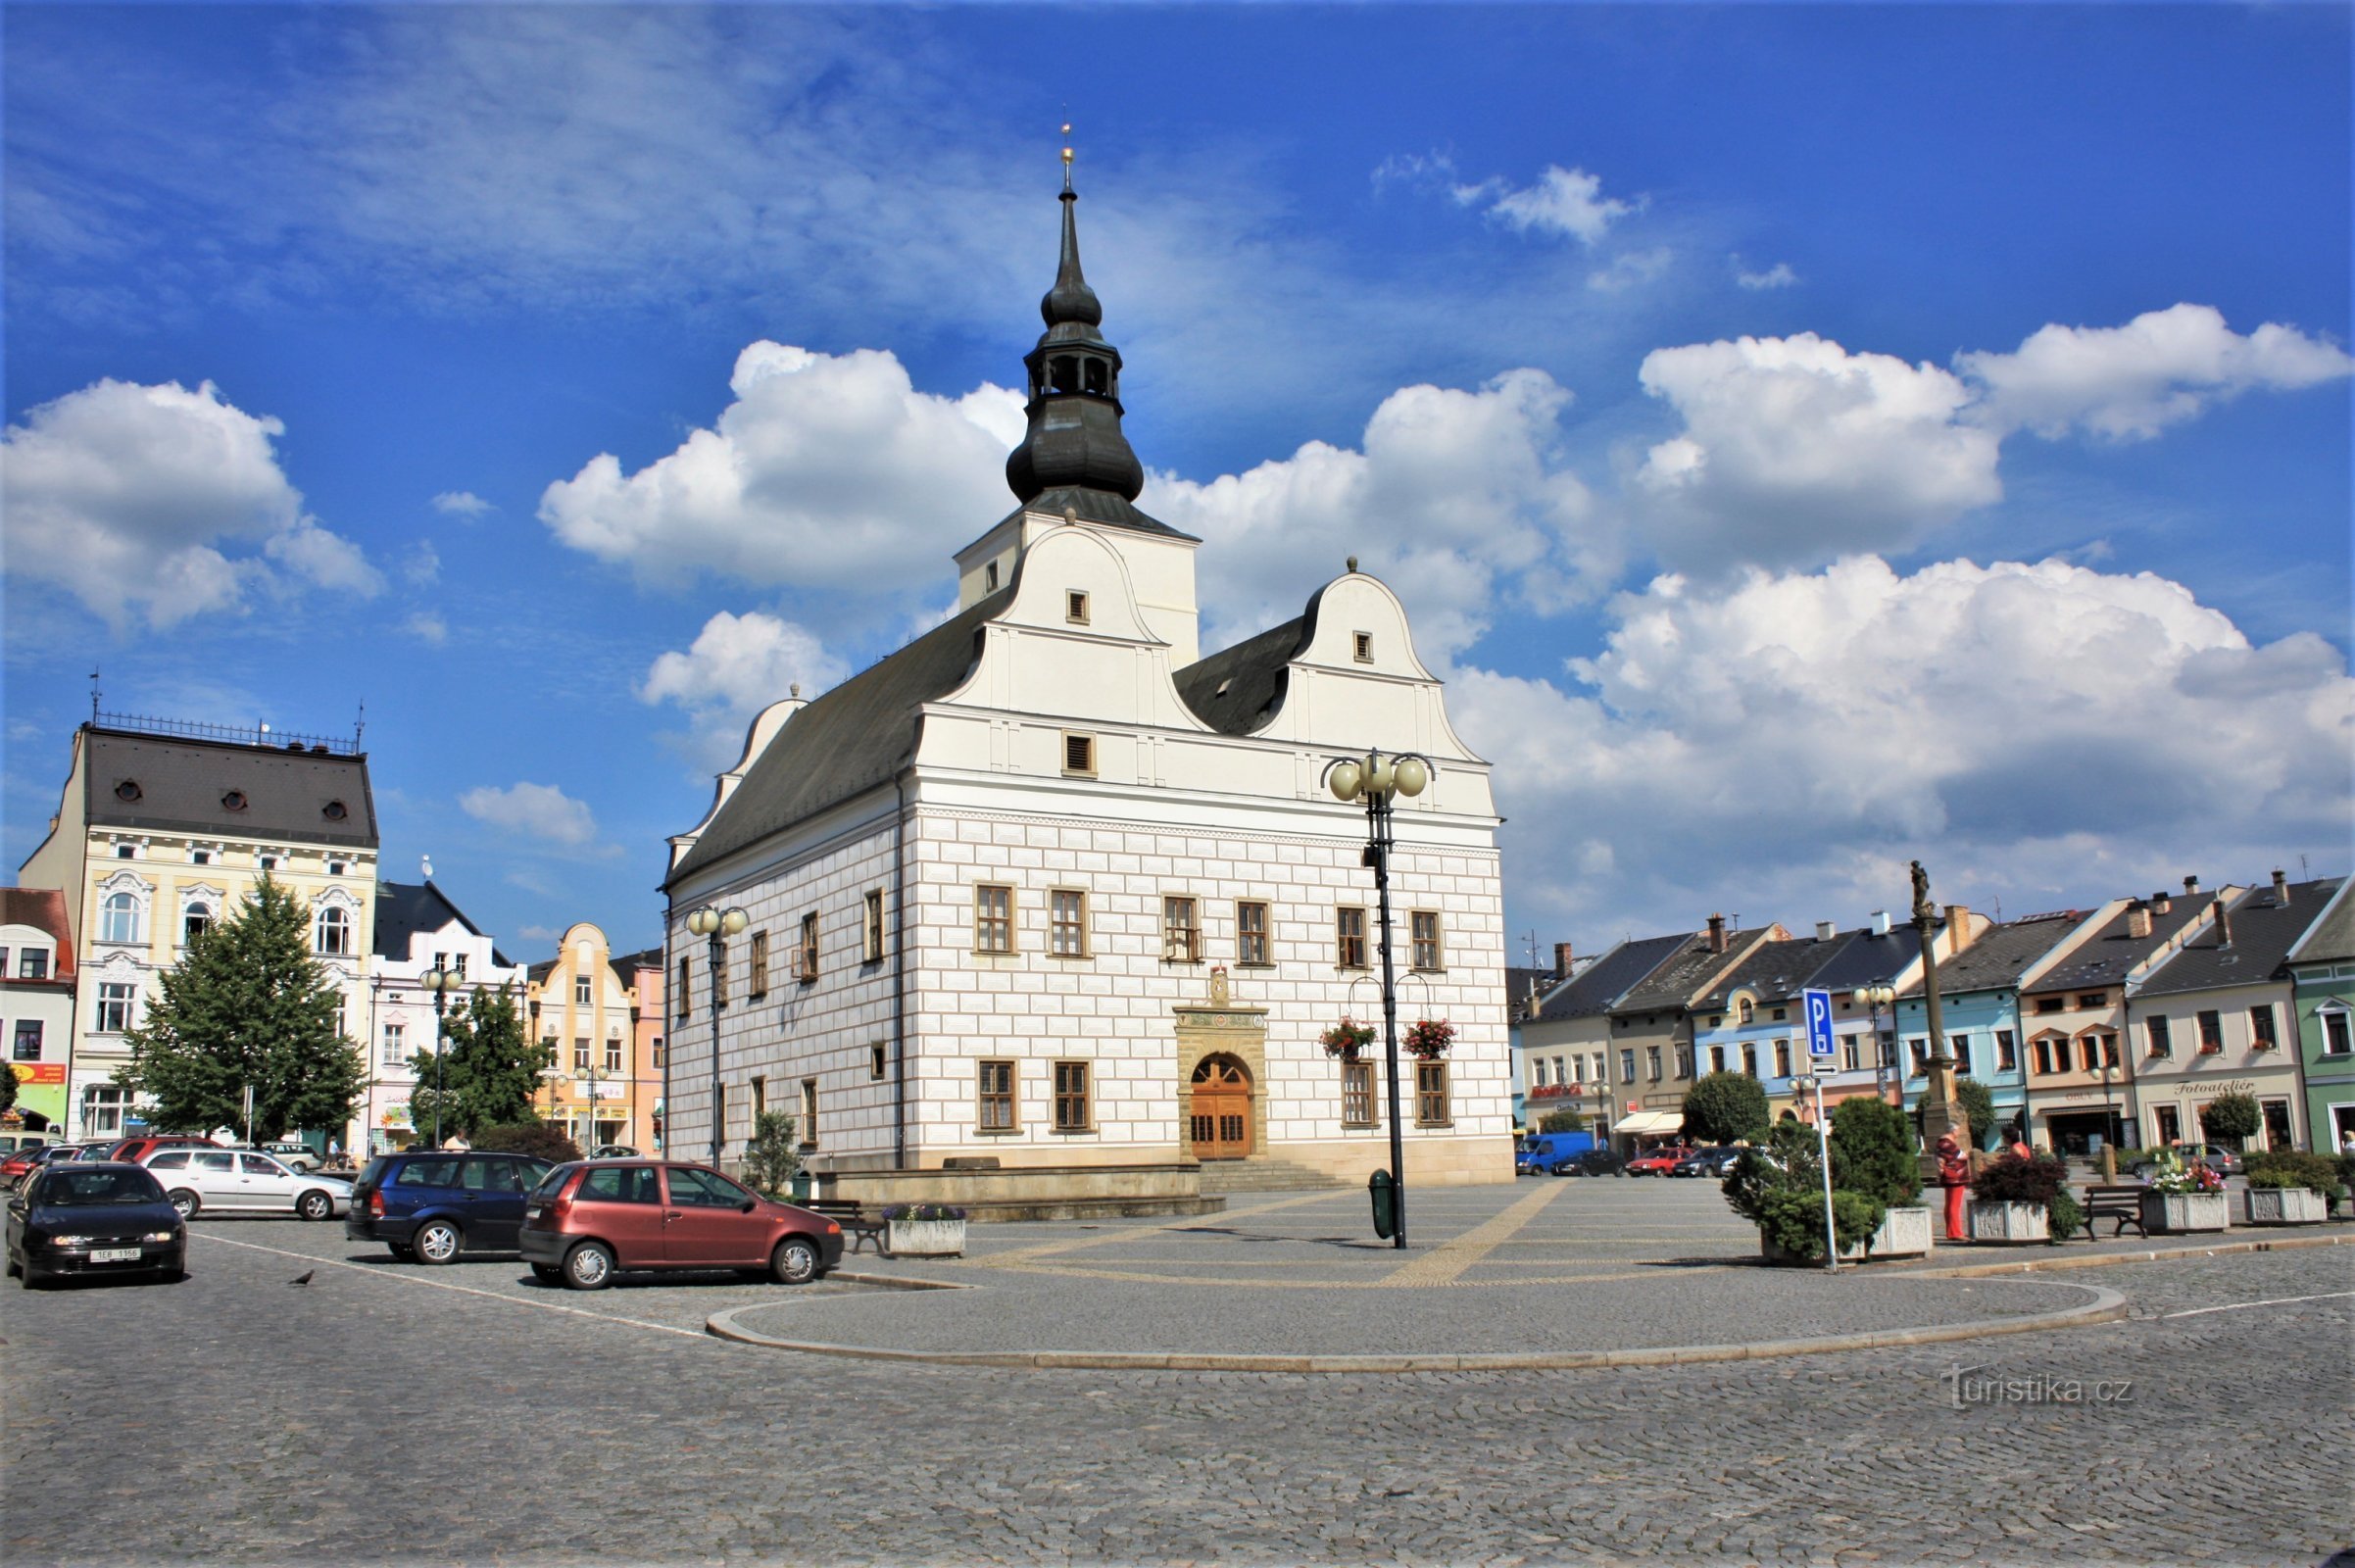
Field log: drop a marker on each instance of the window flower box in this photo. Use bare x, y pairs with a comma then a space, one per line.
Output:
924, 1230
2179, 1212
2286, 1205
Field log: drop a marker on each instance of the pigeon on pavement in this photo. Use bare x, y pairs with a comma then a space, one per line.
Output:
303, 1277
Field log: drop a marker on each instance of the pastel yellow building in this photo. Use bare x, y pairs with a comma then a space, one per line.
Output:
601, 1014
163, 828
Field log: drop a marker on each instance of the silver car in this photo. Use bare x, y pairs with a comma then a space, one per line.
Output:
239, 1181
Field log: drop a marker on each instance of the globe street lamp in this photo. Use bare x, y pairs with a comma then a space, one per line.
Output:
1877, 996
441, 982
1375, 779
717, 925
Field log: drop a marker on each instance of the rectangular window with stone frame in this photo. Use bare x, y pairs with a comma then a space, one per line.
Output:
993, 1096
2261, 1027
808, 964
1358, 1093
1181, 933
809, 1127
678, 1004
1348, 937
394, 1051
1423, 929
1250, 934
114, 1007
27, 1047
1431, 1107
755, 979
1067, 923
870, 939
993, 917
2156, 1038
1074, 1106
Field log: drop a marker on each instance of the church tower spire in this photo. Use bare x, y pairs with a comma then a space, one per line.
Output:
1074, 441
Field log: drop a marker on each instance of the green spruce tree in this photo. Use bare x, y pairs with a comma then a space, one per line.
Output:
7, 1086
489, 1073
248, 1006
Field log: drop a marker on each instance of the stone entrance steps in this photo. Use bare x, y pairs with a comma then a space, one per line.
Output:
1230, 1176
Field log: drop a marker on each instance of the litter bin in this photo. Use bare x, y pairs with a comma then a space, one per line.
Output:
1384, 1194
801, 1185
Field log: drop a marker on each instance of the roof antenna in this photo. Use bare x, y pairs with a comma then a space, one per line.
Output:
428, 863
93, 695
359, 724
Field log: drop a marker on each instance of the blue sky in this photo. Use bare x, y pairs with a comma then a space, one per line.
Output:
1806, 437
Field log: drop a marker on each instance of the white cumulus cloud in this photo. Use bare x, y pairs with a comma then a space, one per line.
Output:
1563, 201
460, 504
825, 470
2126, 383
1778, 276
131, 498
536, 810
737, 666
1457, 498
2031, 729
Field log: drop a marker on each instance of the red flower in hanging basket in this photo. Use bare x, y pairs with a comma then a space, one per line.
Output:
1345, 1039
1428, 1037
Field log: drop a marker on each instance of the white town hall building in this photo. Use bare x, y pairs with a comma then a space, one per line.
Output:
1052, 901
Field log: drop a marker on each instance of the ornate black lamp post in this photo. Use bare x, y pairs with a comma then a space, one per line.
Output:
716, 925
1877, 996
1375, 779
441, 982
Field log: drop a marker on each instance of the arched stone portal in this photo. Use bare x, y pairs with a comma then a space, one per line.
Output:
1222, 1076
1219, 1118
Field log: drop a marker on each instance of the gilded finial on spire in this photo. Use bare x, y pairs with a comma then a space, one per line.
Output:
1066, 155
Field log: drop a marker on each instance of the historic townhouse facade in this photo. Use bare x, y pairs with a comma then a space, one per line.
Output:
2321, 969
1979, 1004
1565, 1046
602, 1013
416, 929
2216, 1016
162, 829
1050, 890
36, 1003
1650, 1059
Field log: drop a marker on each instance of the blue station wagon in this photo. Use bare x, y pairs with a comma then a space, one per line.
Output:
428, 1206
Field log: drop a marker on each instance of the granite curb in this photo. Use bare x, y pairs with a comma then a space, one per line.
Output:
2153, 1255
2106, 1307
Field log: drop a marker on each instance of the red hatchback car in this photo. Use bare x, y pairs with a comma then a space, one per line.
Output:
584, 1223
1659, 1161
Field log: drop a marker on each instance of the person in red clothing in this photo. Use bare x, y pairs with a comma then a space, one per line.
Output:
1955, 1175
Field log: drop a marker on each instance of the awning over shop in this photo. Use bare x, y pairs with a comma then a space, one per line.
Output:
1644, 1123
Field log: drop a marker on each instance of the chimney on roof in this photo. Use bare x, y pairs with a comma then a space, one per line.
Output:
2192, 886
1880, 922
2280, 886
2162, 902
2138, 919
2223, 924
1562, 957
1825, 930
1717, 933
1958, 928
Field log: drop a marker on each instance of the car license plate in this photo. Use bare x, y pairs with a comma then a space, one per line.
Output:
114, 1254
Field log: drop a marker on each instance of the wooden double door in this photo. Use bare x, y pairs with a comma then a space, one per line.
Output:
1221, 1109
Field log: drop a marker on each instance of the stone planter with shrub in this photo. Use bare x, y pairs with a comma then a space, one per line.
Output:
924, 1230
1873, 1156
2288, 1187
2022, 1200
2285, 1206
2010, 1222
2179, 1213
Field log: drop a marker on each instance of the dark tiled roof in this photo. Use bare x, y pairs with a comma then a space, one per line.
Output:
1238, 690
405, 910
628, 964
2264, 930
1519, 981
2105, 957
1097, 506
44, 910
1777, 972
1674, 983
855, 737
1866, 959
2332, 935
182, 786
1602, 982
2001, 954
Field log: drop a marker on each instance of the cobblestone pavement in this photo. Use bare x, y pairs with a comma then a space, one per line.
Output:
462, 1415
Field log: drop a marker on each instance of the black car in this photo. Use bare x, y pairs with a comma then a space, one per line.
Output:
430, 1205
1707, 1162
1592, 1163
94, 1221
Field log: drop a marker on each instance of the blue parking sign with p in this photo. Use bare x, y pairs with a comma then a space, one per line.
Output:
1818, 1004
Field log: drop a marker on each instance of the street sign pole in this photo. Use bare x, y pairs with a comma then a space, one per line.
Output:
1817, 1006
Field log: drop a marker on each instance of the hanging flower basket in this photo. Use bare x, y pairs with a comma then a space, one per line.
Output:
1429, 1038
1345, 1039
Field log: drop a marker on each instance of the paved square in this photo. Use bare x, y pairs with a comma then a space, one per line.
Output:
468, 1414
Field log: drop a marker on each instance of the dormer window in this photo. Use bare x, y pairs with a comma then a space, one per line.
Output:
1075, 608
989, 578
127, 790
334, 810
234, 801
1362, 647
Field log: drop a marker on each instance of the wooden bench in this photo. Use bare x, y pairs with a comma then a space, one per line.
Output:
2120, 1205
859, 1228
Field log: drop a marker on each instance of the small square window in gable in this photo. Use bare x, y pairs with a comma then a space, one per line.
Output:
1362, 647
1075, 606
1079, 754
